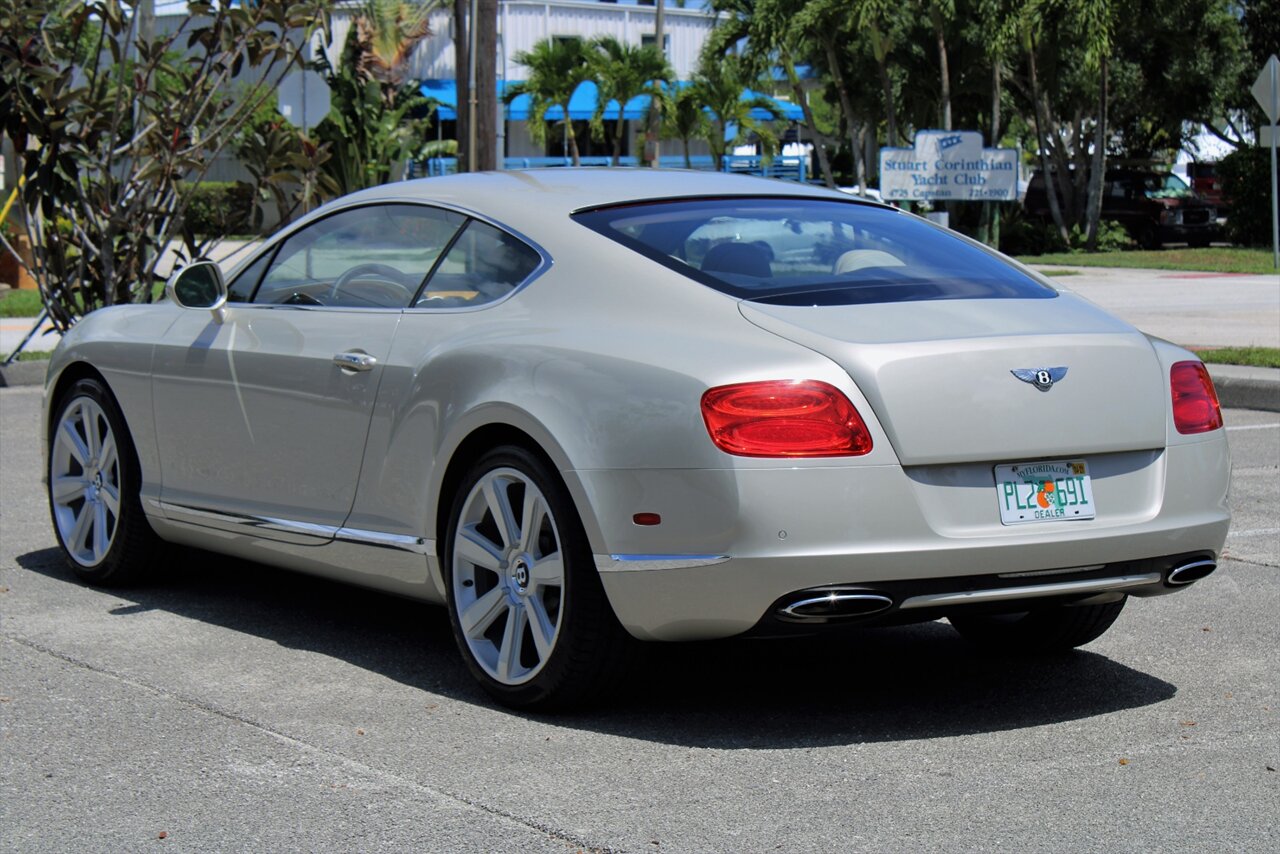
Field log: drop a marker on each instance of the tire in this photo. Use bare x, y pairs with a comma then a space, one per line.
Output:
1051, 629
94, 479
528, 611
1149, 238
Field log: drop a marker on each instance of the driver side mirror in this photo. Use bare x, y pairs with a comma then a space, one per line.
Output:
199, 285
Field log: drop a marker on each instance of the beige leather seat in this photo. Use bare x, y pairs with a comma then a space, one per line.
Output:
856, 259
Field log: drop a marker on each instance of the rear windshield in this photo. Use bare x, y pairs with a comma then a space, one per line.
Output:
787, 251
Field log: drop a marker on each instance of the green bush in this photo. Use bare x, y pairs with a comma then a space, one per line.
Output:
1023, 235
1246, 176
218, 208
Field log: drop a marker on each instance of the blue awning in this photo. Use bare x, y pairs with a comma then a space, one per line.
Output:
582, 105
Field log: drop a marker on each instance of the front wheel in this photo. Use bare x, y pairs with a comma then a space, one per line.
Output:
1050, 629
93, 489
525, 600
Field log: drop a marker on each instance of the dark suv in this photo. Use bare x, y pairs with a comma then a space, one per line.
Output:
1154, 207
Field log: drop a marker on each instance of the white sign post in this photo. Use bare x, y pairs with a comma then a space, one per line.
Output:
1266, 89
944, 165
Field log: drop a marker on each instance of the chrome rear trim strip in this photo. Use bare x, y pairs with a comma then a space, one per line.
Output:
644, 563
1061, 588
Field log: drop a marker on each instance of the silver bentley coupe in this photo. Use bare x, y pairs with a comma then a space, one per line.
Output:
581, 408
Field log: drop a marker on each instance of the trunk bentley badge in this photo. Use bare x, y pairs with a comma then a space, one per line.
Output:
1041, 378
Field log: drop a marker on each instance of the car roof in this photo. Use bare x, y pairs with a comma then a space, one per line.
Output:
515, 194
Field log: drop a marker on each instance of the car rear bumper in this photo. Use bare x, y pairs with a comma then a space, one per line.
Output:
734, 544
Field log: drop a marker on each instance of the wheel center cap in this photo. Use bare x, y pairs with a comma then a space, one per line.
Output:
97, 481
520, 573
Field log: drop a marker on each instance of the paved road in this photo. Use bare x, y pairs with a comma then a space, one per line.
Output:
233, 707
1191, 309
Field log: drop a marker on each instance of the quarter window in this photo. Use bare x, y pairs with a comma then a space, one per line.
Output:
484, 265
369, 257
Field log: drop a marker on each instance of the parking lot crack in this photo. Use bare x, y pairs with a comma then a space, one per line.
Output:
569, 840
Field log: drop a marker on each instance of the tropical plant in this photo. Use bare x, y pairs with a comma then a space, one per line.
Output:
372, 128
113, 128
686, 120
719, 85
387, 31
623, 72
556, 69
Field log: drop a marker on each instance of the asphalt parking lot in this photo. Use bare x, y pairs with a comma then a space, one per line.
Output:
234, 707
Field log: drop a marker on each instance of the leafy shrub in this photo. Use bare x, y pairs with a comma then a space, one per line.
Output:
1246, 177
218, 208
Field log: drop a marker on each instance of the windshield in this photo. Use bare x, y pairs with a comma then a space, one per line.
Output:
1165, 187
787, 251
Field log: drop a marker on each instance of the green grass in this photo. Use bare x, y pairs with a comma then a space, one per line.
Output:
31, 356
1059, 272
1218, 259
24, 303
1257, 357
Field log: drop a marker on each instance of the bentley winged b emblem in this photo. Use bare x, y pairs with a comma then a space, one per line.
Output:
1041, 378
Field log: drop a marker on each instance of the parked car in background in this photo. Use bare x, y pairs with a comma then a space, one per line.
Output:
1154, 207
582, 407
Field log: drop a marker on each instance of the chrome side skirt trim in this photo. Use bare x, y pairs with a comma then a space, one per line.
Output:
302, 533
381, 540
644, 563
1062, 588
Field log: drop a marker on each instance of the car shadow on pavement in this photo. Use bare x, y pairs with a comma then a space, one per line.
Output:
860, 686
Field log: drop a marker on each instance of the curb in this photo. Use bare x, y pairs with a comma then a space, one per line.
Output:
1243, 387
24, 373
1239, 387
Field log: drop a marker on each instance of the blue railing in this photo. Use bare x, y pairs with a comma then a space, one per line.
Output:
786, 168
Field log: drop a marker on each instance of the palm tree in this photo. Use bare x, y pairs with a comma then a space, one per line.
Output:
556, 68
387, 32
622, 72
686, 120
718, 85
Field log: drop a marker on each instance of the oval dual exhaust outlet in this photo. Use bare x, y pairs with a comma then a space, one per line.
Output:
822, 605
1189, 572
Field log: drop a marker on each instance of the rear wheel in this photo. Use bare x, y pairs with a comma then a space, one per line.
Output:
1043, 630
525, 600
93, 489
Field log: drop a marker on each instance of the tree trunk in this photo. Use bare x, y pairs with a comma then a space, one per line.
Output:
571, 136
842, 89
989, 227
1098, 174
810, 122
1042, 119
486, 85
461, 64
886, 86
619, 131
936, 15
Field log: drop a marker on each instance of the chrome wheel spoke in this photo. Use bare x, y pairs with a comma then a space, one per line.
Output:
67, 488
534, 511
71, 440
89, 420
512, 640
101, 536
474, 548
107, 456
482, 613
80, 531
499, 502
539, 626
548, 571
110, 497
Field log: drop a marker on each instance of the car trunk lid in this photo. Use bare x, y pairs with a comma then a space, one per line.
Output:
939, 375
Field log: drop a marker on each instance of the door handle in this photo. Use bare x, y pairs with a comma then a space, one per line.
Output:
355, 361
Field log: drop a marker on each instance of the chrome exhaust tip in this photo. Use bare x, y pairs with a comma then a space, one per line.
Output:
1190, 572
821, 605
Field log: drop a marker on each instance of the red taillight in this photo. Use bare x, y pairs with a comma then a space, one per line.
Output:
1195, 403
784, 418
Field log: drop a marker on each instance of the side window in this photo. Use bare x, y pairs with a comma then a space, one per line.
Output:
485, 264
368, 257
241, 288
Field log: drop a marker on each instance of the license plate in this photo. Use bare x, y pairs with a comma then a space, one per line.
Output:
1044, 492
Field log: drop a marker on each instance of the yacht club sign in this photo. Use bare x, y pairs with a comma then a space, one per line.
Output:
949, 166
